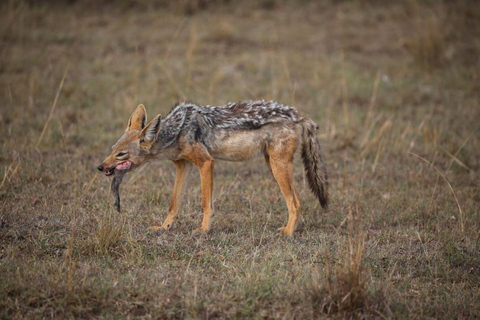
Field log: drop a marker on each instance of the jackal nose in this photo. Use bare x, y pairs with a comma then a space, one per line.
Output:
100, 167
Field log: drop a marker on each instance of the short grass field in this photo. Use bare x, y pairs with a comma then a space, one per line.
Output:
394, 87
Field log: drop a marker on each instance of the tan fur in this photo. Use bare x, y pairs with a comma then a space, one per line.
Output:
238, 146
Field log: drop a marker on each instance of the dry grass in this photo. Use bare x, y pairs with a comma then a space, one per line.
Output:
428, 44
343, 289
394, 88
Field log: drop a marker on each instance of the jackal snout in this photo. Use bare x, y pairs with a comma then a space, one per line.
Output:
105, 167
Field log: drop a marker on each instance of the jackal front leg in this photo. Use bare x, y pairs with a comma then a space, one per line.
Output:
181, 175
206, 177
200, 157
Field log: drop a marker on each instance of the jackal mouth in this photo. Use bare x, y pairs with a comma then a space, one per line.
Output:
125, 165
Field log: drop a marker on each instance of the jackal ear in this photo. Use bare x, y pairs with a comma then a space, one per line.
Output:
150, 132
137, 119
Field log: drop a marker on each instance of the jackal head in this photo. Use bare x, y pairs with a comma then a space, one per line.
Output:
135, 146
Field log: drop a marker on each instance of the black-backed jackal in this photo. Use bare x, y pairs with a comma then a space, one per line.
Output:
198, 135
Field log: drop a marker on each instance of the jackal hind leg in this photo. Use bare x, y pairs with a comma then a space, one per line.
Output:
183, 169
280, 160
297, 196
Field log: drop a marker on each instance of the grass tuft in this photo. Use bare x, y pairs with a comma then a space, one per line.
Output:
343, 287
109, 234
223, 32
427, 43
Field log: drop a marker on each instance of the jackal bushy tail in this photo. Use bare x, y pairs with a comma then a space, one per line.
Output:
313, 161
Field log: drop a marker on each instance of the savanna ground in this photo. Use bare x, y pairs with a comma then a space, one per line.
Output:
394, 87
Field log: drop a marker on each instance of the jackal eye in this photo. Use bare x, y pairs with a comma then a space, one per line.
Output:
121, 154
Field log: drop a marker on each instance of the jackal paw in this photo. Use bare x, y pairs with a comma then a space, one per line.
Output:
283, 231
158, 229
166, 225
